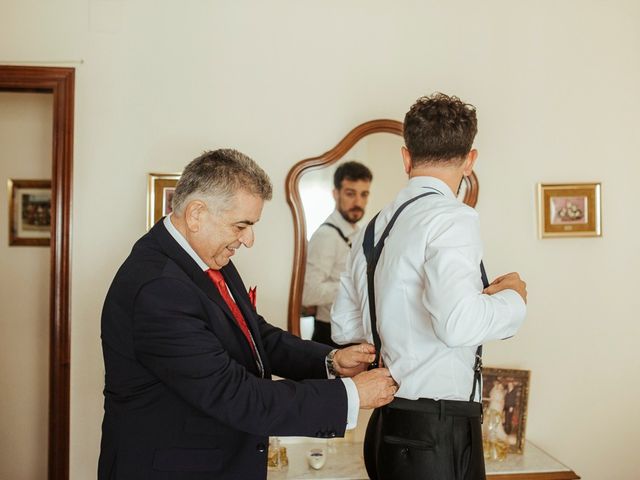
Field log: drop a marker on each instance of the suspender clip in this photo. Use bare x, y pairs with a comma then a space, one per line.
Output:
478, 366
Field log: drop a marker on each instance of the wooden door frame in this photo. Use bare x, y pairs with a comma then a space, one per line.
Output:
61, 83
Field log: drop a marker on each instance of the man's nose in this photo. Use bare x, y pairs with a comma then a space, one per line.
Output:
247, 237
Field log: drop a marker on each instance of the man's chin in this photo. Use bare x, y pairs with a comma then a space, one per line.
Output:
218, 263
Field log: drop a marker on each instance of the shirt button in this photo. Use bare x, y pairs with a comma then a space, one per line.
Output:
261, 448
404, 452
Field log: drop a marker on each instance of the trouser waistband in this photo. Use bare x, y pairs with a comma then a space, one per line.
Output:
455, 408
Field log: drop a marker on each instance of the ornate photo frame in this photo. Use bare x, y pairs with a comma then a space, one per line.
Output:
159, 195
569, 210
505, 394
29, 212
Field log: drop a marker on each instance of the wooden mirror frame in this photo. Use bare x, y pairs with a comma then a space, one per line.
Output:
61, 83
292, 185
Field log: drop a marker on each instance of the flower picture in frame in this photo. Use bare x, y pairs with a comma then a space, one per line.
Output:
160, 195
505, 394
30, 212
569, 210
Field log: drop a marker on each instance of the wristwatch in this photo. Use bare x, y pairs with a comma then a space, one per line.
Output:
329, 363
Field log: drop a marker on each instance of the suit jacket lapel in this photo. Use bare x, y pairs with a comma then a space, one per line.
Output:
239, 292
188, 264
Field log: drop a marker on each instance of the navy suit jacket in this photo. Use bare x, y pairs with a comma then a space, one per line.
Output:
183, 395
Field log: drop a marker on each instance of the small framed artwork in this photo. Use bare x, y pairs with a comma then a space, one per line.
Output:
569, 210
504, 402
30, 212
160, 195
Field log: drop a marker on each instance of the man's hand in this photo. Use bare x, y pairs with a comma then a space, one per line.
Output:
353, 360
510, 281
375, 387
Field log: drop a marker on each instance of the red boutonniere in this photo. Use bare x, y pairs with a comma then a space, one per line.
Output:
252, 296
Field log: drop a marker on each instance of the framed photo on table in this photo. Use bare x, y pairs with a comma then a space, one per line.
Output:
30, 212
505, 394
569, 210
160, 195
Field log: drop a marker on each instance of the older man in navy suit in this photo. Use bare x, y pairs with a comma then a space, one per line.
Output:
188, 389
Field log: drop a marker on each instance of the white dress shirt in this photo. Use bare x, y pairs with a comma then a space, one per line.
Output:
430, 308
352, 392
326, 260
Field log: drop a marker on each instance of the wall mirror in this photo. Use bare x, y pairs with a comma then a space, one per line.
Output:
309, 186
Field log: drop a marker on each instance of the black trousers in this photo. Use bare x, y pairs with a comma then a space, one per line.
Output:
425, 440
322, 333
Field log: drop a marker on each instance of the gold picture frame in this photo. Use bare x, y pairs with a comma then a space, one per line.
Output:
159, 194
505, 395
569, 210
29, 212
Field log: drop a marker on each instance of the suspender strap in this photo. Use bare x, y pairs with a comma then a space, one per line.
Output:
477, 367
337, 229
372, 253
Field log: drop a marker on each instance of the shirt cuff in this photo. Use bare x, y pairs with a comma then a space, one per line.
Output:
517, 310
353, 401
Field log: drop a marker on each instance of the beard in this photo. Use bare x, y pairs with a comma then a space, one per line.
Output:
353, 215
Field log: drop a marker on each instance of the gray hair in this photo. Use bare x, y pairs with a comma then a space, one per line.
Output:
216, 176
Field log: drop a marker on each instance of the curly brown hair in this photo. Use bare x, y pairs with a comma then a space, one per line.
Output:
439, 128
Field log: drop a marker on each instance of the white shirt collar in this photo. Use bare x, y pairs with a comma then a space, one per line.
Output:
432, 183
178, 237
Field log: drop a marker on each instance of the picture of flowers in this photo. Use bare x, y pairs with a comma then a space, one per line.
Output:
570, 210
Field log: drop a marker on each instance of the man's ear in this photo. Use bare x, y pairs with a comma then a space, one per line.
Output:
193, 215
469, 162
406, 160
336, 194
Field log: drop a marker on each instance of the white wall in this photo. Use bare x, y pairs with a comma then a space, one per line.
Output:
555, 84
25, 154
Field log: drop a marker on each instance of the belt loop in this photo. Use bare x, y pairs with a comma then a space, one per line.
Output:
441, 402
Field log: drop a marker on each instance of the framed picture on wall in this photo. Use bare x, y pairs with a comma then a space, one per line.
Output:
30, 212
504, 402
569, 210
160, 195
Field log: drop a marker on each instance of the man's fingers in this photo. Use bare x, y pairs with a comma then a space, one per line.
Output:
367, 348
490, 289
364, 357
505, 276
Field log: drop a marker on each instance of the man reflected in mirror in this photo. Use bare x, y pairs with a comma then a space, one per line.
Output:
330, 244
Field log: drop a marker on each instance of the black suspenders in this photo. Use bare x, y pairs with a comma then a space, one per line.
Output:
342, 235
372, 254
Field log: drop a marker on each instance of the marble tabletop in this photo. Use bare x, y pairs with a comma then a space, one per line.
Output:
345, 462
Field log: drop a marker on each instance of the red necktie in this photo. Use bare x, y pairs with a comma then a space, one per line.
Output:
218, 280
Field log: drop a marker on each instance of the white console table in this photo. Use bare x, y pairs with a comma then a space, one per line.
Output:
345, 462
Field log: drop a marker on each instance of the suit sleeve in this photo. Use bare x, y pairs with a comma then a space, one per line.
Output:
172, 340
292, 357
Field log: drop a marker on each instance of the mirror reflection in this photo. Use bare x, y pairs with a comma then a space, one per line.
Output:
337, 202
323, 232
